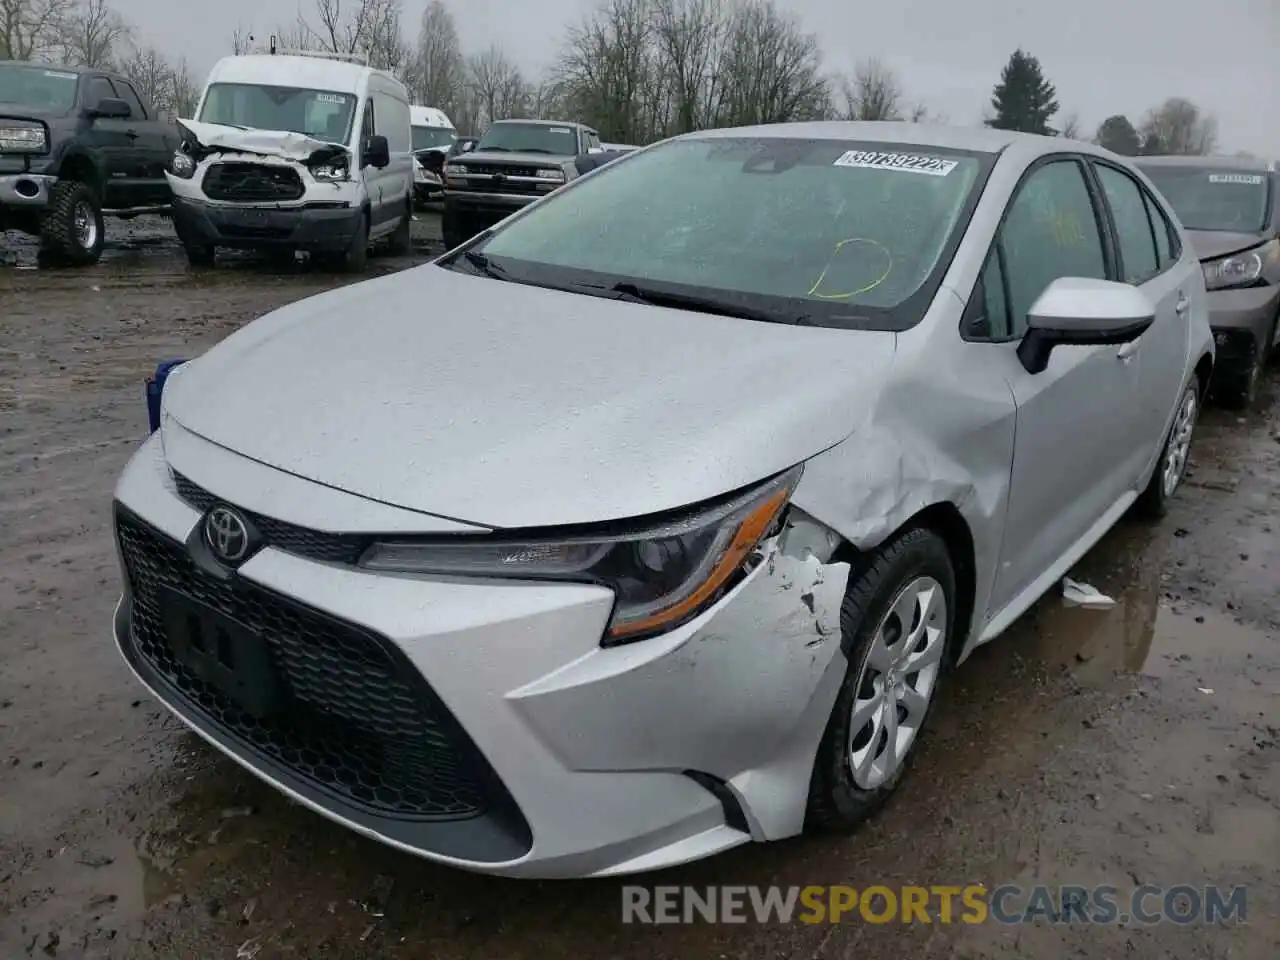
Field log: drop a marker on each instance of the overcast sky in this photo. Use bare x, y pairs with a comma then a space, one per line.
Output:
1105, 56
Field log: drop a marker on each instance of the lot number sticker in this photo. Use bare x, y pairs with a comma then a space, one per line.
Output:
907, 162
1252, 179
59, 75
330, 98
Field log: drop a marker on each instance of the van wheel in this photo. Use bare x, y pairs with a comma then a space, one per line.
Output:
895, 622
72, 228
401, 241
356, 258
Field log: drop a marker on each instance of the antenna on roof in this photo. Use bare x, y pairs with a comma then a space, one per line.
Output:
273, 44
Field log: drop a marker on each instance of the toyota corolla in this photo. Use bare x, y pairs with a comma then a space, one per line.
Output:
745, 441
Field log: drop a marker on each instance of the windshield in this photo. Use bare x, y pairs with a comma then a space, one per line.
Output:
321, 114
40, 87
424, 137
530, 138
829, 232
1205, 198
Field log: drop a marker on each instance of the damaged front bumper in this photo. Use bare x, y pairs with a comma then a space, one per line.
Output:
602, 760
316, 227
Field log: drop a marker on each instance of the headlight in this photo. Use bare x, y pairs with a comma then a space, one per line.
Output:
662, 575
1240, 269
557, 175
330, 172
22, 137
182, 165
454, 170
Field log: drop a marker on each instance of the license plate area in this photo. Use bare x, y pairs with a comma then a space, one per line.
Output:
222, 652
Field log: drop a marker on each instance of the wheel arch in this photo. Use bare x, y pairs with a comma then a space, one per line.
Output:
1204, 373
82, 168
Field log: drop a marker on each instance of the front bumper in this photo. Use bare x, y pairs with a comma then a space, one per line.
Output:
26, 190
1242, 321
488, 208
323, 228
531, 750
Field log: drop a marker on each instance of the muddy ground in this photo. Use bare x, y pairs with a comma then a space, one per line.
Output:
1135, 745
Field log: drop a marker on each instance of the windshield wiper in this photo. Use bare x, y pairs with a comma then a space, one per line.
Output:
491, 150
684, 301
485, 265
535, 150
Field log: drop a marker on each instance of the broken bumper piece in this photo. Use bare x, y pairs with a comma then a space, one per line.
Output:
301, 228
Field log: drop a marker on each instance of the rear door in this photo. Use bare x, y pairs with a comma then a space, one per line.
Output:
1145, 244
1074, 417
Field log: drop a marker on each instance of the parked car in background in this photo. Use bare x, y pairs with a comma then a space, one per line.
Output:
514, 163
672, 544
433, 136
75, 144
1230, 208
294, 151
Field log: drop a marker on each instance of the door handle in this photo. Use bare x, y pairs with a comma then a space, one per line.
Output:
1183, 304
131, 134
1128, 350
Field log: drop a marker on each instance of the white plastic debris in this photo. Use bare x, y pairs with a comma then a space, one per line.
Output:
1082, 595
1207, 691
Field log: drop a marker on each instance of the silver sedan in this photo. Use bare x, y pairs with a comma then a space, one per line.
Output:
651, 522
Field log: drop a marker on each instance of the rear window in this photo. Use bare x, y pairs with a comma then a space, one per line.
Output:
1210, 198
847, 234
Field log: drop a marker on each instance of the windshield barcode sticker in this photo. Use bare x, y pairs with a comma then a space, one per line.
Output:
59, 75
1251, 179
561, 130
330, 98
909, 162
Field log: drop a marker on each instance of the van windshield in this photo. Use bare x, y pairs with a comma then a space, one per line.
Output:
424, 137
321, 114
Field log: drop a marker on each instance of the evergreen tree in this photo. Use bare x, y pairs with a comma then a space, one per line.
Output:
1023, 99
1120, 136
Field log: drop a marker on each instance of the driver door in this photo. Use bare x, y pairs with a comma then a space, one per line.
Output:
112, 143
1070, 464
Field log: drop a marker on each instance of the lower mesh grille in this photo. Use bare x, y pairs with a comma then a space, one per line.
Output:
359, 723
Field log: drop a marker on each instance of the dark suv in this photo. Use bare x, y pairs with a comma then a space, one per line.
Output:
513, 164
77, 143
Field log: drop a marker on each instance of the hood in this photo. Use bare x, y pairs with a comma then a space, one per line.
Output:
214, 137
506, 405
1212, 244
500, 158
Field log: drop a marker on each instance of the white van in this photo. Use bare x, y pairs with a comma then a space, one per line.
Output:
433, 135
293, 151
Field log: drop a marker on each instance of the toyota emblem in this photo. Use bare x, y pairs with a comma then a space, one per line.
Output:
227, 534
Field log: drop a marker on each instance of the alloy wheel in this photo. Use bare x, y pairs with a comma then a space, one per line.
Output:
1179, 448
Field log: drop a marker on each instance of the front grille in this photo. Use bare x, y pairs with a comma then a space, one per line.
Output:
493, 169
359, 723
313, 544
251, 183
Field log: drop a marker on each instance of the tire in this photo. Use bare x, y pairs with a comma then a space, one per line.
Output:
198, 255
453, 229
1175, 453
356, 257
1239, 391
842, 793
71, 228
401, 244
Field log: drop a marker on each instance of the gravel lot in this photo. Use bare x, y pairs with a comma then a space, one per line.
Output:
1128, 746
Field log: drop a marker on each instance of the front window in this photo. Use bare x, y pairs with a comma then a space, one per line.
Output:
425, 137
1208, 198
38, 87
822, 232
530, 138
321, 114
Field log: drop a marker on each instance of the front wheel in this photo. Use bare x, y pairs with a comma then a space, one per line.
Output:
72, 228
896, 626
1171, 468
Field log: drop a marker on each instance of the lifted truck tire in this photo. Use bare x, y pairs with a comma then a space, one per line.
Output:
198, 255
71, 229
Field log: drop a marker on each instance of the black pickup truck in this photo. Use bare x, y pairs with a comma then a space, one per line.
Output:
75, 144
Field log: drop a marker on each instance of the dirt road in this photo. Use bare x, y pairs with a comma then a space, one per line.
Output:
1135, 745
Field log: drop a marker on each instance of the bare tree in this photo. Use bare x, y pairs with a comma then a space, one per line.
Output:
152, 76
1071, 128
242, 39
1177, 126
438, 64
608, 69
90, 35
771, 68
30, 29
920, 113
874, 92
368, 28
497, 86
689, 35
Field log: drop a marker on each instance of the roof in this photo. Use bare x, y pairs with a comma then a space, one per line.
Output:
281, 69
545, 123
1247, 164
976, 139
420, 116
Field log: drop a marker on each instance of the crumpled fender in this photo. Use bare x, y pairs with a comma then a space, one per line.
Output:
215, 138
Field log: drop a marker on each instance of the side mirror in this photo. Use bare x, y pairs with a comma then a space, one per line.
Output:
377, 152
110, 108
1081, 312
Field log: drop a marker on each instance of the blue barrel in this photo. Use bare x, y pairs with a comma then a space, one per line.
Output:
155, 387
